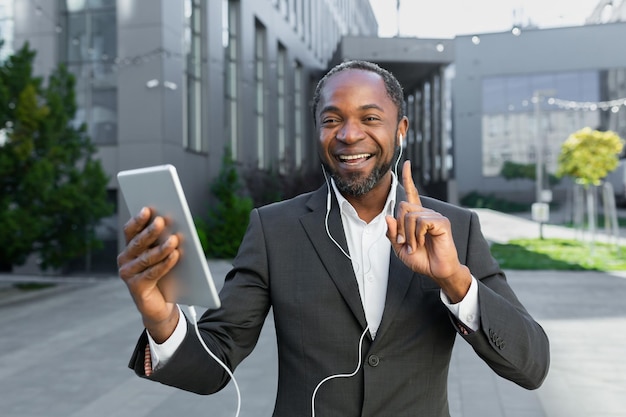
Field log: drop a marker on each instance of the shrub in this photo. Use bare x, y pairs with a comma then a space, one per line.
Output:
227, 221
476, 200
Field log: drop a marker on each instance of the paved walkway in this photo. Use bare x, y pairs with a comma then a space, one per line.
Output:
63, 352
500, 227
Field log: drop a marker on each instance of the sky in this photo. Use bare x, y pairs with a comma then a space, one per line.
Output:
448, 18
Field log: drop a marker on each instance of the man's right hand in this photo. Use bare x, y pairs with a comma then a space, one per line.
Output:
141, 265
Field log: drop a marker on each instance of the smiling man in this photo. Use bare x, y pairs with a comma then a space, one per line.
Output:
363, 265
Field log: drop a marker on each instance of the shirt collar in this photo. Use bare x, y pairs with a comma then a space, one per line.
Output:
345, 206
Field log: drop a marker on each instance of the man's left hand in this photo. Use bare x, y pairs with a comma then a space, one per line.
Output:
422, 239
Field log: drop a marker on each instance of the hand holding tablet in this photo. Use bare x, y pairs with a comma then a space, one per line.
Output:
189, 282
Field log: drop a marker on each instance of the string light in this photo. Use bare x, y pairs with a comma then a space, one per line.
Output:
613, 105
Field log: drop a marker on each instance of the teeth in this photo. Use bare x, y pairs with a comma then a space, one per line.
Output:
351, 157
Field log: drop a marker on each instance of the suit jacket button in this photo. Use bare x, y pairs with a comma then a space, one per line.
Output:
373, 360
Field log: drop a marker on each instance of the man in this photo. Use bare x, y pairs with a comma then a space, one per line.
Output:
362, 257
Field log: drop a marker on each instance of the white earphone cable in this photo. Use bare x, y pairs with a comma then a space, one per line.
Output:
328, 203
192, 312
350, 375
399, 157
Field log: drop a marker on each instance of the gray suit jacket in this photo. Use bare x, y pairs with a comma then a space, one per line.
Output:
287, 262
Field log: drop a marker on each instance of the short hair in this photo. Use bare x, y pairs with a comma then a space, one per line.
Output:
392, 85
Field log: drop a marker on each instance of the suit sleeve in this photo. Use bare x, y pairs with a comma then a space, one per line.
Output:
509, 340
231, 332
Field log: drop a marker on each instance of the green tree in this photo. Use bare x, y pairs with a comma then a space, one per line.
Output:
52, 190
589, 155
227, 220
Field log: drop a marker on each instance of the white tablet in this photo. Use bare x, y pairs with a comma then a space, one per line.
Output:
158, 187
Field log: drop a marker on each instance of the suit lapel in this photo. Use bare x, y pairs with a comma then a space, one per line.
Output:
336, 263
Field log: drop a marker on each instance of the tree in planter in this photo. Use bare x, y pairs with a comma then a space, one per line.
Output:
588, 156
52, 191
227, 220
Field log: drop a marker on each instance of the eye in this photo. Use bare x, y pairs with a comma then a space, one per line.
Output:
329, 120
372, 118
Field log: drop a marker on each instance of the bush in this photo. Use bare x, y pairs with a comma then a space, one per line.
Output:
227, 221
512, 170
476, 200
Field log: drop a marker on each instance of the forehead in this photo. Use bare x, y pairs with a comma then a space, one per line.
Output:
355, 85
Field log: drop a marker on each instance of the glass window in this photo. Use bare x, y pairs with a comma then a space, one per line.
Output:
494, 95
104, 115
281, 106
259, 66
193, 51
90, 46
230, 18
73, 6
298, 114
522, 114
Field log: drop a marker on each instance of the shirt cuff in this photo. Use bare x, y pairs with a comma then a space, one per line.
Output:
161, 353
466, 310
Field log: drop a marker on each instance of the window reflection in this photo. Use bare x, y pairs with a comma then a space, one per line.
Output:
509, 117
90, 50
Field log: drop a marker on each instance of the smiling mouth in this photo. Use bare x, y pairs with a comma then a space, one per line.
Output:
354, 158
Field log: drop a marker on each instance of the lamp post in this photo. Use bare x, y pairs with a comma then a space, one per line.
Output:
540, 209
538, 96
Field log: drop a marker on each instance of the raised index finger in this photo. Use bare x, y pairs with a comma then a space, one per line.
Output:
412, 194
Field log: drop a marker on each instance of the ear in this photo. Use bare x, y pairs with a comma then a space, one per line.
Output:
403, 126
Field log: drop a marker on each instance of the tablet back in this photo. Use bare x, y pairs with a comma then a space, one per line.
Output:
158, 187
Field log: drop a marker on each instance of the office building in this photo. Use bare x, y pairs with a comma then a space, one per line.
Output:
178, 81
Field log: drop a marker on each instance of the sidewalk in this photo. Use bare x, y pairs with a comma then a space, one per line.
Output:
501, 227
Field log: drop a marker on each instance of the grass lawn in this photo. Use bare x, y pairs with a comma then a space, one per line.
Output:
559, 254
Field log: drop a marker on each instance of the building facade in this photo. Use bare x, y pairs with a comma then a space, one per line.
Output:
162, 81
178, 82
518, 96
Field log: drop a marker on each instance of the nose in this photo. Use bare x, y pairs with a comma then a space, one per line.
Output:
350, 132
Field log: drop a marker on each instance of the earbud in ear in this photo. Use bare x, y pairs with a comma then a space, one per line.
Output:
400, 140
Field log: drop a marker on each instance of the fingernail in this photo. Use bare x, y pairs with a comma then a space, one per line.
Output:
409, 249
400, 239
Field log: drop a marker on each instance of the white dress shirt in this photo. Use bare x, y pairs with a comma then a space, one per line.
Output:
369, 251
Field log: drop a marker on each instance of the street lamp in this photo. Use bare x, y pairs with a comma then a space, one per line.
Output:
538, 97
541, 208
